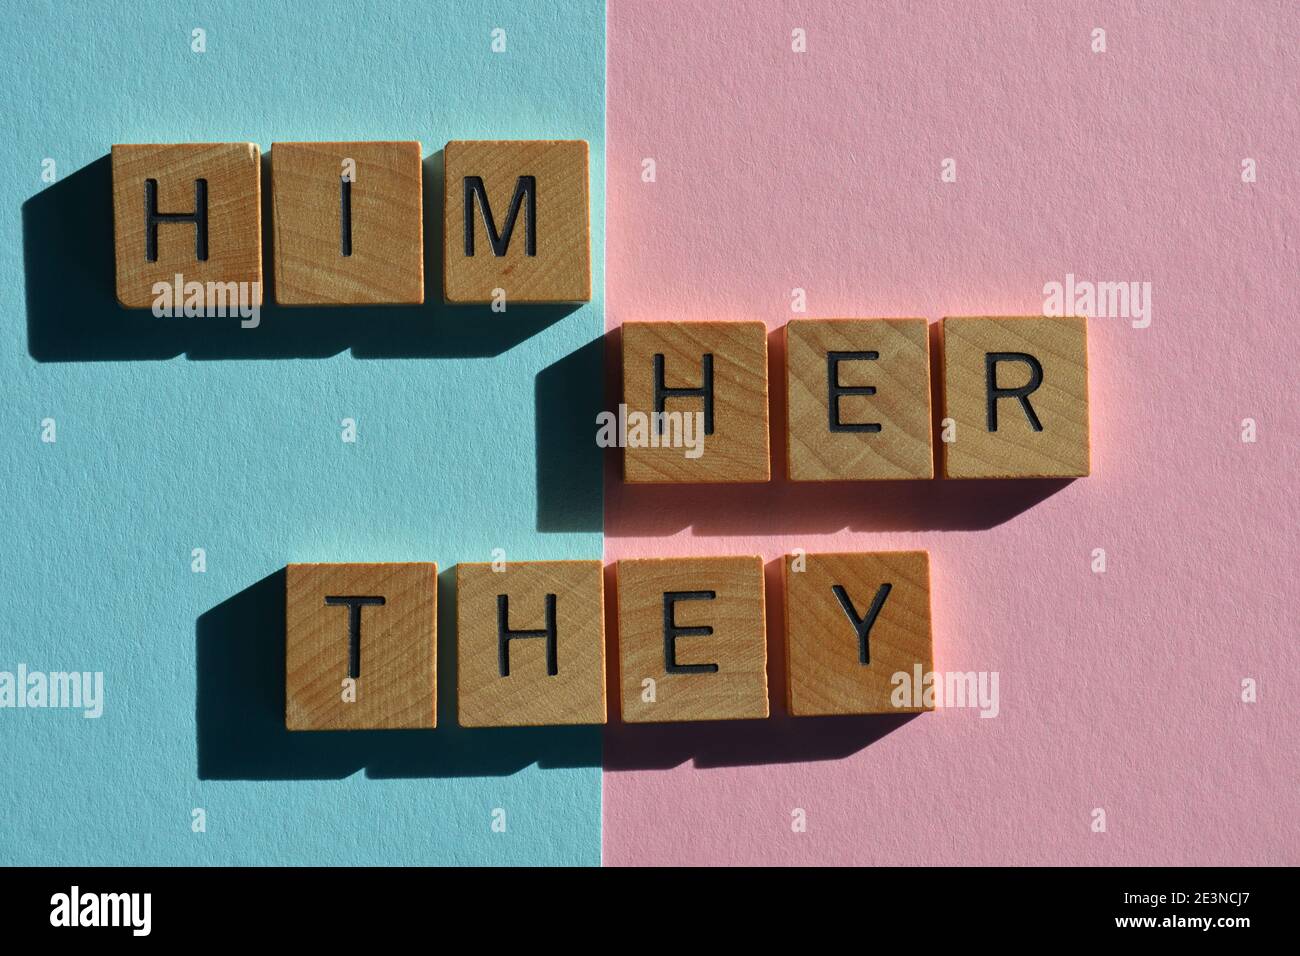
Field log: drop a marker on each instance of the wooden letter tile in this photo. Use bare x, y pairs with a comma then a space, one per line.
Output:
349, 223
530, 644
1017, 391
858, 399
371, 627
853, 621
709, 381
516, 217
193, 210
692, 639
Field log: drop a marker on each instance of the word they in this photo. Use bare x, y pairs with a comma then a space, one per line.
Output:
348, 225
361, 640
1014, 393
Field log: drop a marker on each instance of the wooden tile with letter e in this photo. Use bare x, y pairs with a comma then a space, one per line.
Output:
192, 210
361, 647
349, 223
852, 622
858, 399
530, 643
1016, 390
516, 221
692, 642
696, 402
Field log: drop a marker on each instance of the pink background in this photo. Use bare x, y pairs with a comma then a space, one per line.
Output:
821, 170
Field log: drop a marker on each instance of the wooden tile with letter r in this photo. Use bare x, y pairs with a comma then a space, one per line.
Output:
1016, 391
696, 402
692, 640
349, 223
516, 222
361, 647
858, 399
192, 211
530, 643
852, 623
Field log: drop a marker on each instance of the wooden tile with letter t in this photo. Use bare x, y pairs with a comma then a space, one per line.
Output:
192, 210
853, 622
516, 221
858, 399
696, 402
1016, 391
530, 643
349, 223
361, 646
692, 641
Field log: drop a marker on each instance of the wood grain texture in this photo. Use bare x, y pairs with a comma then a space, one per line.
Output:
738, 448
737, 645
397, 682
560, 269
902, 446
529, 695
233, 175
1060, 402
385, 260
824, 670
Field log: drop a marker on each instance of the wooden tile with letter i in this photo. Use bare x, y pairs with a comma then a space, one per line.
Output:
516, 222
1016, 391
858, 399
361, 647
530, 643
692, 642
349, 223
853, 622
183, 214
696, 402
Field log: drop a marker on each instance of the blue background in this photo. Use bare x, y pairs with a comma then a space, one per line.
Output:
474, 433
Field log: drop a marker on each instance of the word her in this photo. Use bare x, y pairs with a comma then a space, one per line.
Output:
1014, 393
348, 223
361, 640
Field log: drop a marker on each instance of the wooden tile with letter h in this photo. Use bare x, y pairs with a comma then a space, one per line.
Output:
349, 223
1016, 391
192, 210
692, 639
516, 221
852, 622
858, 399
361, 646
696, 402
530, 643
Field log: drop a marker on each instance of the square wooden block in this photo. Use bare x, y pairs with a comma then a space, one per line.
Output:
852, 622
349, 223
858, 399
366, 632
193, 210
1017, 391
516, 218
709, 380
530, 643
692, 639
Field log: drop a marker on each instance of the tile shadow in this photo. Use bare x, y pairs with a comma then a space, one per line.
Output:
570, 478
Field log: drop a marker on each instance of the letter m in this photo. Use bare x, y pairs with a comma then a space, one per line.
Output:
525, 192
